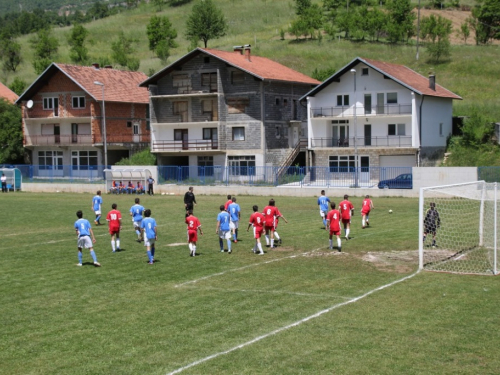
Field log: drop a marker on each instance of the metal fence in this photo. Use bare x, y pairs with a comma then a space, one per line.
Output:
230, 175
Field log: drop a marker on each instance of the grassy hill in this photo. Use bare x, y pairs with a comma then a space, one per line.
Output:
468, 73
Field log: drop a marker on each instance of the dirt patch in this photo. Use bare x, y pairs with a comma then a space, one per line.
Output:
281, 249
393, 261
324, 253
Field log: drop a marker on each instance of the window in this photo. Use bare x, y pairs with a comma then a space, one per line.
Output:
237, 77
342, 100
181, 109
392, 98
277, 101
364, 71
84, 160
210, 80
209, 107
206, 60
440, 129
51, 104
342, 163
182, 82
241, 165
205, 161
396, 129
236, 105
278, 131
78, 101
136, 129
239, 134
179, 134
48, 160
285, 102
211, 134
129, 124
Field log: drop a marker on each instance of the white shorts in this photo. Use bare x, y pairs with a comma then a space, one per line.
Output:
225, 234
234, 224
149, 241
98, 212
322, 213
85, 242
137, 224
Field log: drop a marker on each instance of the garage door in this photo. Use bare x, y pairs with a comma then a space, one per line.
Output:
398, 161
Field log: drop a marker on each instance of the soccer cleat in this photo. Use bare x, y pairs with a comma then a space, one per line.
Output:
254, 251
79, 264
95, 222
151, 262
221, 250
229, 252
346, 238
330, 248
340, 249
114, 251
139, 241
362, 227
367, 223
97, 264
261, 253
279, 241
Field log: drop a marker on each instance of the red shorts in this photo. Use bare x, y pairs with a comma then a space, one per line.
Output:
114, 230
365, 212
192, 235
269, 227
334, 232
257, 232
346, 221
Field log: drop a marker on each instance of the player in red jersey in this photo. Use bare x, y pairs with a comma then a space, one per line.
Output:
270, 212
257, 220
365, 211
114, 220
333, 226
229, 201
193, 225
346, 209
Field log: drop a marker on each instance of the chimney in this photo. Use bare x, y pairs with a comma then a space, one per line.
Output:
432, 82
247, 50
238, 49
95, 65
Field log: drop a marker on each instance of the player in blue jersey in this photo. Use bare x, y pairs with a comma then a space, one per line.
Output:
323, 203
235, 214
223, 229
150, 234
96, 207
86, 238
136, 211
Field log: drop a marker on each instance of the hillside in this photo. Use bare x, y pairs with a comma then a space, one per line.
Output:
468, 72
8, 6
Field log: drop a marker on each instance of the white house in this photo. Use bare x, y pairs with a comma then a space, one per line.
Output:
376, 114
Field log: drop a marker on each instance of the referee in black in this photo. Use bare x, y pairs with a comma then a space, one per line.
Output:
189, 199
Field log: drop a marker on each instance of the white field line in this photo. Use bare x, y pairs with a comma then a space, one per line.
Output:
276, 291
245, 267
295, 324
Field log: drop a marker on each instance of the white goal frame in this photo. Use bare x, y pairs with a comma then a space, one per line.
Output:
479, 252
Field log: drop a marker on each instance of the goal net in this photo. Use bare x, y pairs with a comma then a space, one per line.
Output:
458, 228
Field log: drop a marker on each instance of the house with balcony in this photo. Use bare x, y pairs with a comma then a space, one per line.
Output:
376, 114
66, 110
217, 109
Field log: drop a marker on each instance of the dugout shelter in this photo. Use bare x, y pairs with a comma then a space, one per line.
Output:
14, 178
125, 175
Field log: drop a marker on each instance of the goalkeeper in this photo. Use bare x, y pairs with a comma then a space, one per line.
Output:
432, 222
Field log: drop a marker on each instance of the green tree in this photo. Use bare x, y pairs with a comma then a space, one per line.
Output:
310, 20
18, 86
11, 134
464, 31
161, 35
301, 6
158, 4
10, 52
487, 13
76, 39
401, 20
123, 51
205, 22
144, 157
323, 74
45, 47
437, 31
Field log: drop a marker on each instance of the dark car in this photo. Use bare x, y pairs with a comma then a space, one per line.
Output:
403, 181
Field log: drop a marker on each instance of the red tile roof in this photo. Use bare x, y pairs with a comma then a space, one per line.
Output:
261, 67
119, 85
410, 78
7, 93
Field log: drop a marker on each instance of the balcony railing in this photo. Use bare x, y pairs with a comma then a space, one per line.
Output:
350, 111
386, 141
78, 139
187, 145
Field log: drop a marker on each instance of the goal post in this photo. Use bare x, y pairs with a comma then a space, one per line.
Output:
458, 228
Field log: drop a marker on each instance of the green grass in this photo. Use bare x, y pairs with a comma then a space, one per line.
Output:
131, 318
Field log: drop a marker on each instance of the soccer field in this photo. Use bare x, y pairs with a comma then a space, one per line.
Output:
299, 309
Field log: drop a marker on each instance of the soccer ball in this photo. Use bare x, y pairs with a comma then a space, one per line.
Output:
390, 211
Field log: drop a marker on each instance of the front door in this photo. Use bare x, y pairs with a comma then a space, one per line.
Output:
368, 135
74, 133
368, 104
364, 170
340, 136
136, 129
380, 103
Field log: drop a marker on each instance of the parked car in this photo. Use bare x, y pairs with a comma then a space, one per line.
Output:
403, 181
